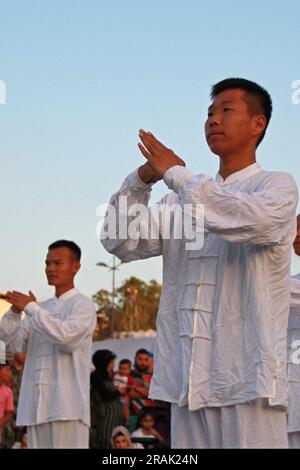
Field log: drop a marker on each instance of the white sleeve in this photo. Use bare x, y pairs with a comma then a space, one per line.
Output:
14, 332
261, 218
68, 333
143, 221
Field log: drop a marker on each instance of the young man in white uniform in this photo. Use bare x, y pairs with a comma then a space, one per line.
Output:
220, 355
54, 400
294, 355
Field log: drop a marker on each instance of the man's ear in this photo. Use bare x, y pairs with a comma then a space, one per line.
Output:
76, 267
259, 125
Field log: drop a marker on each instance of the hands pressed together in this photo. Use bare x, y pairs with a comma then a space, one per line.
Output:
160, 158
18, 300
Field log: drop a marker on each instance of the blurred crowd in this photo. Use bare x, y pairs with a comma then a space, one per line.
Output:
10, 383
122, 415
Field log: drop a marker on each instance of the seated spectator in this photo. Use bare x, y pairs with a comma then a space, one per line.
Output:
6, 402
146, 421
121, 439
123, 380
106, 406
139, 390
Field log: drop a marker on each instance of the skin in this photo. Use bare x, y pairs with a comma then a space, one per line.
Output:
297, 239
142, 365
19, 361
110, 367
61, 268
147, 424
124, 370
120, 442
150, 364
232, 131
142, 362
5, 375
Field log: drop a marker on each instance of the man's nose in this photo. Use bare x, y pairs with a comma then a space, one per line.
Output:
214, 120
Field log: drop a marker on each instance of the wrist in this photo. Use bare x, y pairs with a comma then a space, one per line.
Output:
146, 178
147, 175
15, 309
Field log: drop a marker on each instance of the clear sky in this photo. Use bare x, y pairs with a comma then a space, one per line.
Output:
83, 76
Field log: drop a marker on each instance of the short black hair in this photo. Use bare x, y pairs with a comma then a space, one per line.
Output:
3, 365
125, 361
142, 351
67, 244
262, 103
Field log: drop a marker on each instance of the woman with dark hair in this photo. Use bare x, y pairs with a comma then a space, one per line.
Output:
106, 405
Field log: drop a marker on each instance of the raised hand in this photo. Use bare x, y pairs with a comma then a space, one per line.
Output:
159, 157
19, 300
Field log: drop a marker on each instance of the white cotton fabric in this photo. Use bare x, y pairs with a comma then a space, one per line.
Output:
252, 425
223, 314
139, 433
294, 440
293, 363
58, 435
57, 336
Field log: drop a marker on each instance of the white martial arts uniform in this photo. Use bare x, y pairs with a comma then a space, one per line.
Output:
222, 320
54, 399
294, 365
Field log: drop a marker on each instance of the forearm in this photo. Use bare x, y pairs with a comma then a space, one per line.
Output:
126, 229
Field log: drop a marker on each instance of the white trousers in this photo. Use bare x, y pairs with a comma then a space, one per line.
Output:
294, 440
58, 435
248, 425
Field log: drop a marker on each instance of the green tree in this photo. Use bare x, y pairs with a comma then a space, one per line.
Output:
103, 300
136, 305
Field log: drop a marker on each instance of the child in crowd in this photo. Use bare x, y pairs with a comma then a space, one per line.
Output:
121, 439
146, 421
123, 381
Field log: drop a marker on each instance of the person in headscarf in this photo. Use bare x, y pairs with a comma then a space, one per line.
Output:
106, 405
121, 439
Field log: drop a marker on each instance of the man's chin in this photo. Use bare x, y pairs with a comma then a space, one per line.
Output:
217, 150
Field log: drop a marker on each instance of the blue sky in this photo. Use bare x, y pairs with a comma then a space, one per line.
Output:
83, 77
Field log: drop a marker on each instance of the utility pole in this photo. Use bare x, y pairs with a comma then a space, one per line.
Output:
113, 269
